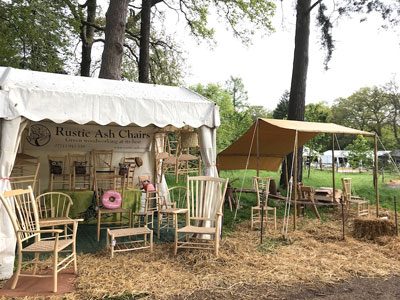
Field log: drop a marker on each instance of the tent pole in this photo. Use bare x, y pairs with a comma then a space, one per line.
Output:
295, 180
333, 168
258, 149
376, 174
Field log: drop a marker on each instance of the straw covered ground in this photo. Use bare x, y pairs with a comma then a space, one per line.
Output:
313, 256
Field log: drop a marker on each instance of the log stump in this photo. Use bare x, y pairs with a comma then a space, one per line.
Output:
371, 228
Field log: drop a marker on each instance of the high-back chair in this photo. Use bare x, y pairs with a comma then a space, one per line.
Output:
204, 200
362, 208
60, 177
80, 170
170, 206
261, 185
24, 216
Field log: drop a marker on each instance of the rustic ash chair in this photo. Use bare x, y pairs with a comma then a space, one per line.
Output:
205, 199
80, 171
59, 173
362, 208
53, 209
307, 196
169, 209
30, 239
261, 185
25, 173
104, 174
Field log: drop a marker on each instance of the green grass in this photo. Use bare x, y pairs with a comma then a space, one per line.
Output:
362, 185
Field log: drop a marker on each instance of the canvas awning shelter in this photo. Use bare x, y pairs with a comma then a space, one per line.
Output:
275, 140
268, 141
35, 96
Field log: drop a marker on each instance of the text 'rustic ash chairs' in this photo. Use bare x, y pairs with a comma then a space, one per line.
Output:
205, 198
170, 206
80, 170
22, 209
307, 197
362, 208
60, 177
261, 185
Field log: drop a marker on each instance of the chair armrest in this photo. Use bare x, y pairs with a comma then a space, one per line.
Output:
180, 211
42, 231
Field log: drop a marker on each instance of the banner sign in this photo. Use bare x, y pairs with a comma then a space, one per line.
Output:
83, 138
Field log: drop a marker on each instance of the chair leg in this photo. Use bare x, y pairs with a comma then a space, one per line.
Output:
252, 219
55, 271
36, 262
151, 241
176, 242
98, 224
275, 218
16, 276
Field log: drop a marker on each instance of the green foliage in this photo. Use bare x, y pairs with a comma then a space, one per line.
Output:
281, 110
319, 112
360, 153
234, 122
243, 17
36, 35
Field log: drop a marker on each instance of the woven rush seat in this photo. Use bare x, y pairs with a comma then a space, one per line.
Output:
129, 231
195, 229
46, 246
55, 221
115, 210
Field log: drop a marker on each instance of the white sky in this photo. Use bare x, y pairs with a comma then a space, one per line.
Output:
365, 55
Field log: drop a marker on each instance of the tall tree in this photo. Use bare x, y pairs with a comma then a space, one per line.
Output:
281, 110
111, 59
144, 54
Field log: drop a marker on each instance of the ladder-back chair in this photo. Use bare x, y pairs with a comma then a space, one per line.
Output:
307, 197
205, 199
261, 185
22, 209
362, 208
80, 170
60, 177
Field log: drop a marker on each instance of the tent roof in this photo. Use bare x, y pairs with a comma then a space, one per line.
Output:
276, 140
60, 98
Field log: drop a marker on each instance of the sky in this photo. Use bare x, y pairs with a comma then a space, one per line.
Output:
365, 55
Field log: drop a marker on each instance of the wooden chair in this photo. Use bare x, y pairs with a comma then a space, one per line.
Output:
307, 196
362, 208
143, 216
53, 209
25, 173
104, 174
30, 239
80, 171
261, 185
168, 209
59, 173
127, 171
205, 198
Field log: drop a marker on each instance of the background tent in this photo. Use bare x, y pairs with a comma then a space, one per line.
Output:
34, 96
274, 139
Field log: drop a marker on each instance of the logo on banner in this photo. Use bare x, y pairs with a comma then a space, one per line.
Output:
38, 135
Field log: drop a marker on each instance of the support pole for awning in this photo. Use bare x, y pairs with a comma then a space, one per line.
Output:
295, 166
376, 174
258, 147
333, 168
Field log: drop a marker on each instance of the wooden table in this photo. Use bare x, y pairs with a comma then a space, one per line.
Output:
325, 194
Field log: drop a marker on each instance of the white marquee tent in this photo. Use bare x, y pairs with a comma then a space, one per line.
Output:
27, 96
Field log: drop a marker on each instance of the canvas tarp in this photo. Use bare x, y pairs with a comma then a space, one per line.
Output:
275, 141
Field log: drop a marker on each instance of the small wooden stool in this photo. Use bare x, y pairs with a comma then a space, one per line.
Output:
113, 234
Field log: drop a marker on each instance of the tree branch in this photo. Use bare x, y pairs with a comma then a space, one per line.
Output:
314, 5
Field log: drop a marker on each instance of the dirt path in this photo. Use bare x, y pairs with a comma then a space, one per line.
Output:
357, 288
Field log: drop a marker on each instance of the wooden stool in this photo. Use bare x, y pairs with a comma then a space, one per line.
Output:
122, 246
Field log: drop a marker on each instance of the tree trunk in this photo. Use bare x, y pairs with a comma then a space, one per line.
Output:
87, 35
111, 59
299, 76
144, 53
